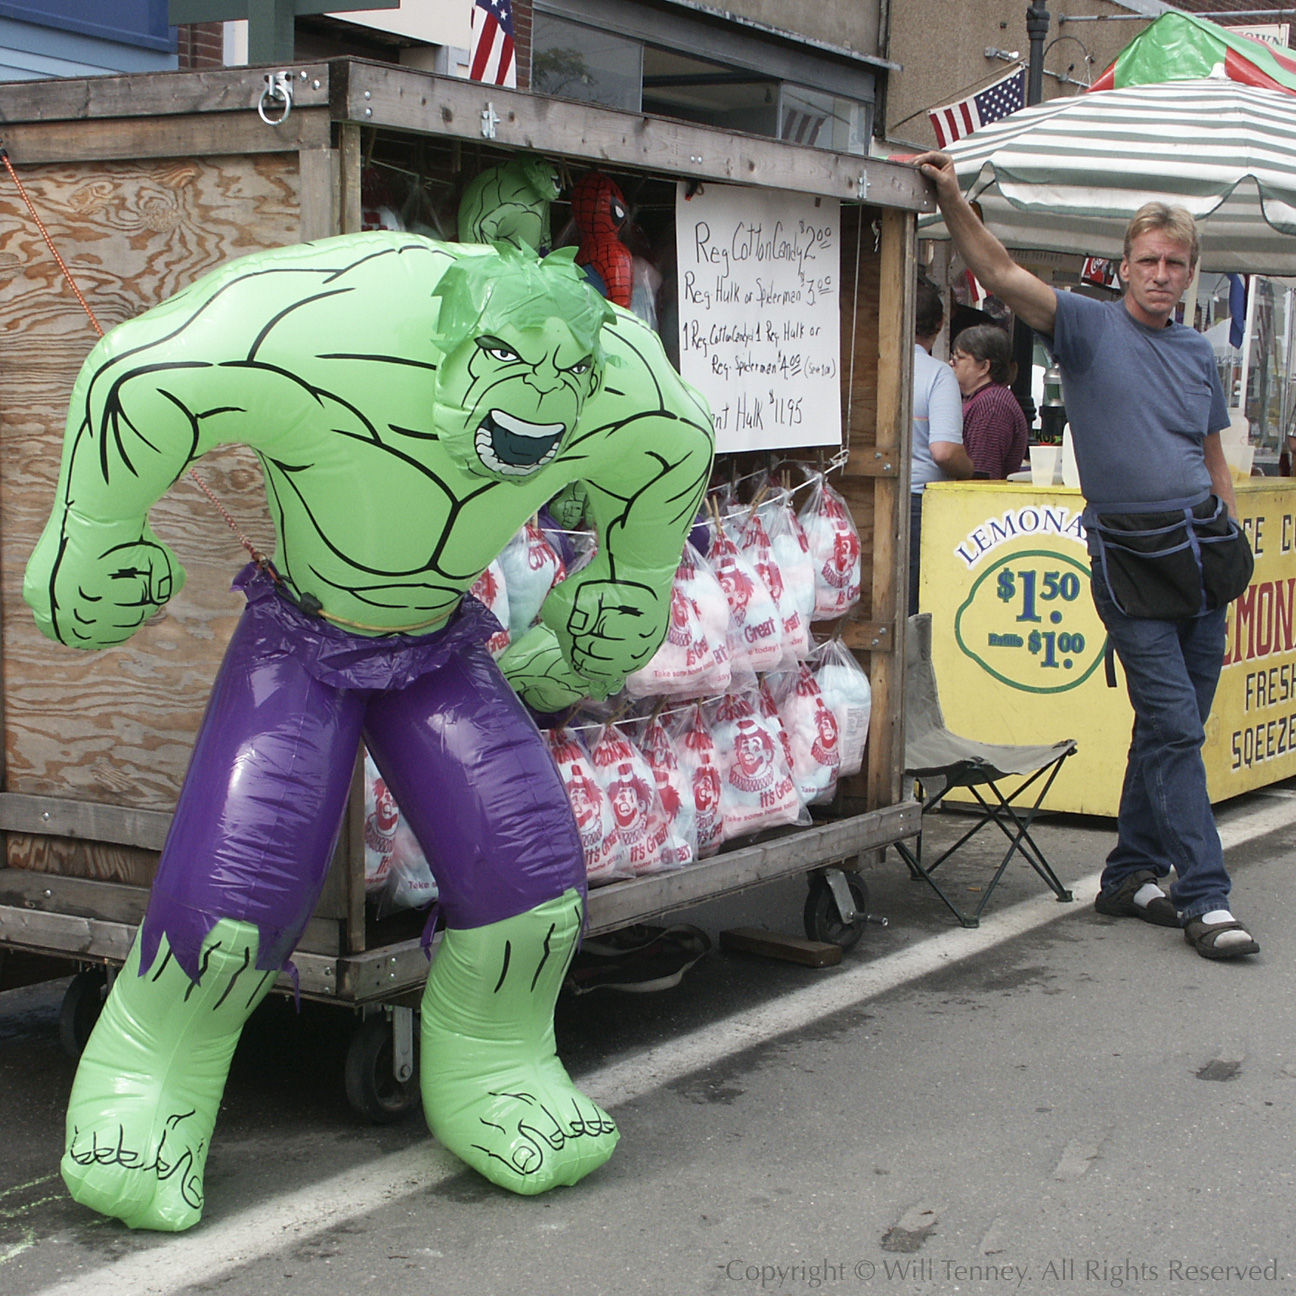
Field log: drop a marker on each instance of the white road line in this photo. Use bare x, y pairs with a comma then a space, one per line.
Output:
219, 1246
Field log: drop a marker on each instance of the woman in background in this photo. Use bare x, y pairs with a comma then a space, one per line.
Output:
994, 427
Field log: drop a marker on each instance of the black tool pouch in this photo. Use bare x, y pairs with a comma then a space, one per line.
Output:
1171, 565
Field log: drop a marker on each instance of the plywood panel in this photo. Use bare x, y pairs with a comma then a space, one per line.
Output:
116, 726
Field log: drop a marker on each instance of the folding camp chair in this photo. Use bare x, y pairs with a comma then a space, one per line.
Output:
941, 761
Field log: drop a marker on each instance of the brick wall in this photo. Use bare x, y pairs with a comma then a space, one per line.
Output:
522, 42
201, 45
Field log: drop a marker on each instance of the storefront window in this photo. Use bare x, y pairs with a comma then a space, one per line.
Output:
821, 120
573, 61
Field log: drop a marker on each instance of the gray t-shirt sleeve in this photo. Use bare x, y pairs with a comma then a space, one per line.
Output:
945, 408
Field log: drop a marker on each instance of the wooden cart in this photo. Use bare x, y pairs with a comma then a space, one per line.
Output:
145, 183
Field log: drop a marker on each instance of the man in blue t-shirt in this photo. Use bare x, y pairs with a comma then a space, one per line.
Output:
1145, 405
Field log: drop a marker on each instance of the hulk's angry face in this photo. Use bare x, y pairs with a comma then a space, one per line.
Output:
520, 339
519, 393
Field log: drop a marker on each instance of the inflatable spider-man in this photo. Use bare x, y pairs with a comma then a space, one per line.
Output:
599, 210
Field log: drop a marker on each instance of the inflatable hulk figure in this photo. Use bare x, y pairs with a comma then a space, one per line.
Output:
412, 403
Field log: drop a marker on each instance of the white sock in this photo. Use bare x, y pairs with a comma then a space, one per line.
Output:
1148, 892
1225, 939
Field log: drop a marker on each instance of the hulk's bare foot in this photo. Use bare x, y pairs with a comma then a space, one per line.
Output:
494, 1091
149, 1084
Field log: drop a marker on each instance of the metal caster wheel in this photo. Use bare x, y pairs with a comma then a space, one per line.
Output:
381, 1075
823, 910
83, 1001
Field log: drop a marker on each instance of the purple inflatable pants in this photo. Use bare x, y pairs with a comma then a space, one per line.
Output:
267, 786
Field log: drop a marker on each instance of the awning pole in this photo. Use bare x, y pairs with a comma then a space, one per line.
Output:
1252, 294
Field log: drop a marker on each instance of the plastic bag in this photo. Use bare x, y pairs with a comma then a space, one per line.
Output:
381, 818
758, 791
397, 874
699, 762
769, 711
845, 688
733, 670
835, 550
674, 790
643, 294
631, 788
756, 618
812, 731
531, 568
693, 659
490, 590
758, 550
607, 857
792, 553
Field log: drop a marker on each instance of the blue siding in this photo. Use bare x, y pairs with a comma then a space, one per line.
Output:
128, 22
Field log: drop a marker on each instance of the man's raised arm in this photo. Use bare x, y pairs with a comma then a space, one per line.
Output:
1029, 298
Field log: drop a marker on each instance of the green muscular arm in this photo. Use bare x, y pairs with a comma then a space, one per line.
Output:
610, 617
98, 571
137, 419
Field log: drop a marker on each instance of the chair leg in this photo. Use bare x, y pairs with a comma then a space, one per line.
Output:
1014, 825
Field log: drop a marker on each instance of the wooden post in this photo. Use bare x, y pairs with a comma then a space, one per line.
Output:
350, 161
898, 248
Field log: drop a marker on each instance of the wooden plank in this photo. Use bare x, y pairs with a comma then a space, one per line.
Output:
779, 945
137, 138
378, 94
77, 898
319, 171
73, 897
874, 463
799, 851
353, 877
87, 820
154, 94
869, 636
117, 726
898, 246
93, 939
349, 168
67, 857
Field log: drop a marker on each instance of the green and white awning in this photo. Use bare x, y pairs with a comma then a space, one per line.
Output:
1067, 175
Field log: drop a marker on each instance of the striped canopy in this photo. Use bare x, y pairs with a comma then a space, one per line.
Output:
1067, 175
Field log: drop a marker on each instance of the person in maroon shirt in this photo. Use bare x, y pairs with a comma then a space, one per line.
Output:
994, 427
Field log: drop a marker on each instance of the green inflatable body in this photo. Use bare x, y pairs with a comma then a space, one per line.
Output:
509, 203
412, 403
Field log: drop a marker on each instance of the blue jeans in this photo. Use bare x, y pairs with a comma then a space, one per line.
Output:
1165, 820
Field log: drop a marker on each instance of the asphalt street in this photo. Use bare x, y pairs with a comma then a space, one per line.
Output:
1057, 1102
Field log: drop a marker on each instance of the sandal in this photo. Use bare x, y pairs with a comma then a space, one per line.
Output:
1204, 937
1120, 903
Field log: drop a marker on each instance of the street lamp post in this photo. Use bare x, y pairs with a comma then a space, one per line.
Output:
1037, 25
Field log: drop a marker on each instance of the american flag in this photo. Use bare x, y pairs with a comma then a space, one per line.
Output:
492, 52
958, 119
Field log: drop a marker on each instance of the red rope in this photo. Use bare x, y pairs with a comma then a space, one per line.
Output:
259, 558
49, 242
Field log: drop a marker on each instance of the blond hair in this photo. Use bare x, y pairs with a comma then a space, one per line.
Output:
1177, 222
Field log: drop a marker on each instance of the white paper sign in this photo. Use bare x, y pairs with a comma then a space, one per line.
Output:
759, 313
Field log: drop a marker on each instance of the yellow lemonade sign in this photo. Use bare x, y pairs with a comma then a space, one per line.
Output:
1018, 646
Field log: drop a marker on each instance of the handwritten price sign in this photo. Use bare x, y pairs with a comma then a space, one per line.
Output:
1028, 620
760, 314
